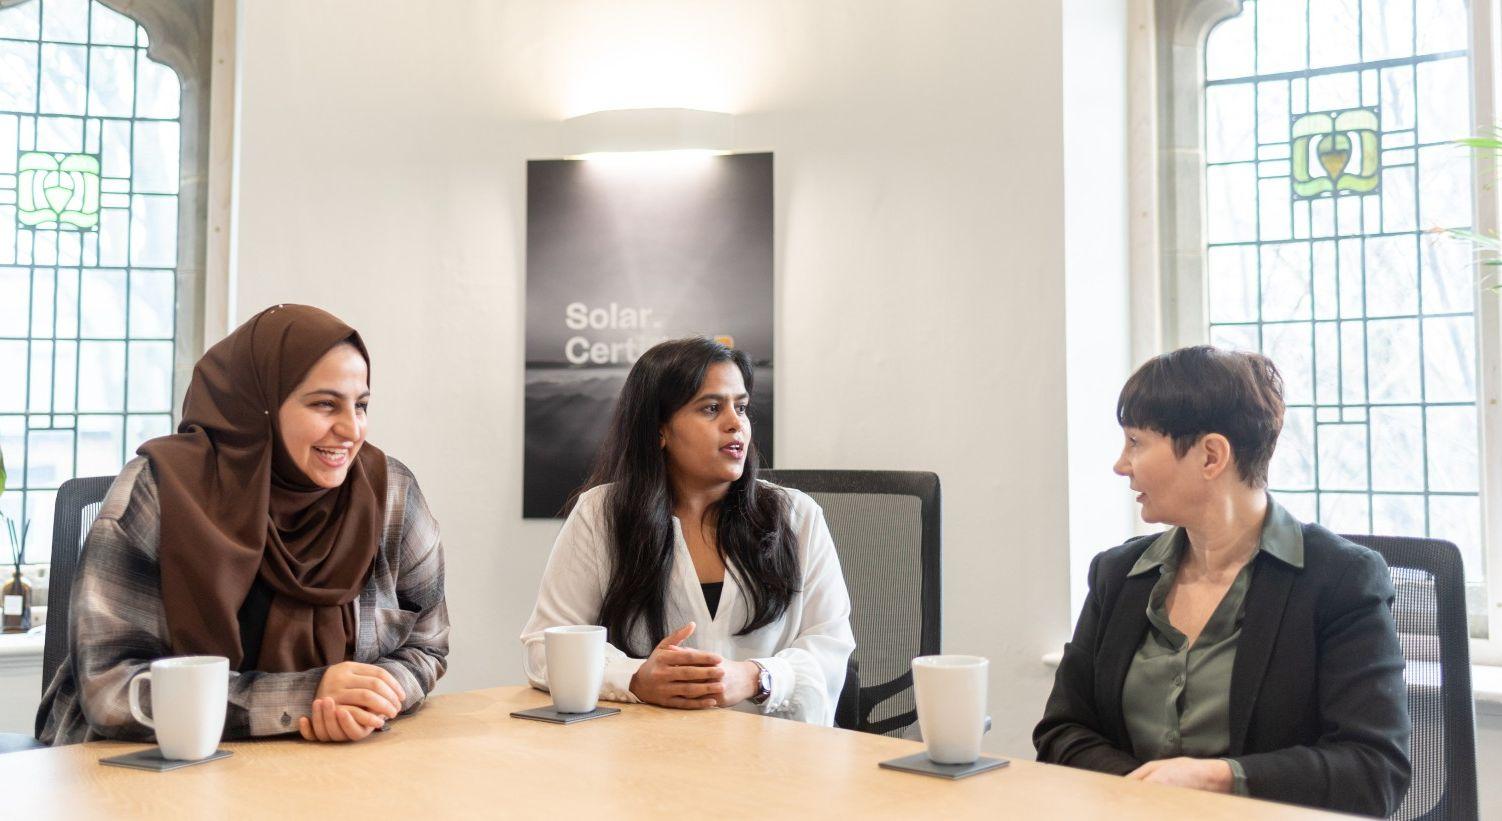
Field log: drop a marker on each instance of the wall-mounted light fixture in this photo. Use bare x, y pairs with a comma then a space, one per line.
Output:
658, 131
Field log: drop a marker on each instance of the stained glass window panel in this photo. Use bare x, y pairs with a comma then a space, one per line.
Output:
89, 170
22, 22
63, 89
109, 27
1334, 24
150, 377
57, 191
1442, 25
151, 304
101, 443
1387, 31
1230, 121
1334, 153
157, 90
112, 81
1332, 121
1447, 280
155, 158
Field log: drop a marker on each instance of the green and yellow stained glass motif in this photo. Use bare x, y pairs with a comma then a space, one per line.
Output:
57, 190
91, 162
1335, 153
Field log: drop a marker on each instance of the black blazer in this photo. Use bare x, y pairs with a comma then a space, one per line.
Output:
1319, 712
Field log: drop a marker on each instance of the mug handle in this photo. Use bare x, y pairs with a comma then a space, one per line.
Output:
135, 699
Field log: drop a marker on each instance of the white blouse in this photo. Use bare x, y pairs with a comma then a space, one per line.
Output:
805, 650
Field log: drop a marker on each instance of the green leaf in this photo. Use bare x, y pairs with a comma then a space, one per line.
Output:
2, 472
1477, 239
1485, 143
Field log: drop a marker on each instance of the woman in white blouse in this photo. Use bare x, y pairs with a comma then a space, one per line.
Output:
716, 589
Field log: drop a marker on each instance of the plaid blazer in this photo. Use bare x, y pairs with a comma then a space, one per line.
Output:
117, 624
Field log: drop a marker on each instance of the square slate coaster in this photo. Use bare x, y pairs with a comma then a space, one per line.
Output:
151, 759
921, 764
551, 715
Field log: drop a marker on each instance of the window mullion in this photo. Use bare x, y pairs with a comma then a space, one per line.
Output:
1484, 78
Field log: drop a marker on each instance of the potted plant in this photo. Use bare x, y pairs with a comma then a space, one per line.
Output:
1489, 248
16, 591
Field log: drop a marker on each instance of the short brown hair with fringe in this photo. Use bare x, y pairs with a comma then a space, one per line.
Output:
1188, 393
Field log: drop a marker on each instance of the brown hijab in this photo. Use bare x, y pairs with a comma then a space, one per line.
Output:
235, 508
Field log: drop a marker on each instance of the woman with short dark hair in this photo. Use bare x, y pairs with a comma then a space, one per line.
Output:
1241, 650
716, 589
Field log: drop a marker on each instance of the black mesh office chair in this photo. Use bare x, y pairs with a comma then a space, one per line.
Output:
78, 503
885, 526
1431, 616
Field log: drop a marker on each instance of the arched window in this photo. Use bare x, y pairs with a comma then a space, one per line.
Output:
1311, 169
103, 112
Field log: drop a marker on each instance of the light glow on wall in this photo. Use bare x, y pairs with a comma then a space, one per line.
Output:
677, 156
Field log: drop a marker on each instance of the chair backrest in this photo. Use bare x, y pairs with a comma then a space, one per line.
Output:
885, 526
1430, 613
78, 503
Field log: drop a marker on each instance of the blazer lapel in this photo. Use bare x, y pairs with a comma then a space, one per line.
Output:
1124, 628
1265, 600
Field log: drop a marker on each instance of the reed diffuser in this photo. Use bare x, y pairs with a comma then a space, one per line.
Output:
15, 594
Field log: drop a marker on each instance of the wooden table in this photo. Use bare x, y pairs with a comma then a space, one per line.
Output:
463, 756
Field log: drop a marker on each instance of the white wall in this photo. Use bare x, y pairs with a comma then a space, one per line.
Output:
920, 257
1096, 296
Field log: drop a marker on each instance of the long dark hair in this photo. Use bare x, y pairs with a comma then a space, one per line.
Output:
753, 529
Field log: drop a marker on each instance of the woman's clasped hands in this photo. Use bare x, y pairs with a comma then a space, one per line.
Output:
353, 700
676, 676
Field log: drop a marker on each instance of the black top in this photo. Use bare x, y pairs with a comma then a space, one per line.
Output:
712, 596
1319, 712
252, 617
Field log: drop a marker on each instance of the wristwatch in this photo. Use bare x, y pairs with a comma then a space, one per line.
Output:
763, 684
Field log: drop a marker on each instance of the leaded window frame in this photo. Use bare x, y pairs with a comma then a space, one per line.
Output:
181, 37
1175, 241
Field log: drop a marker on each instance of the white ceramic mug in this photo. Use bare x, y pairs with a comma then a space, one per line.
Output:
951, 695
576, 666
188, 699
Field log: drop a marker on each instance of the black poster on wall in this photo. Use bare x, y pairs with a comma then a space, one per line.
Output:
621, 254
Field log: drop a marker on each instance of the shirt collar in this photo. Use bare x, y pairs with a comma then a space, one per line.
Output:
1282, 538
1283, 535
1163, 550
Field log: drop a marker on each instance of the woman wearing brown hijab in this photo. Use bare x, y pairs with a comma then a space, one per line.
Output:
266, 530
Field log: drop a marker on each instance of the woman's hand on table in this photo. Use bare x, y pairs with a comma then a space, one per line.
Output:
675, 676
366, 686
353, 700
333, 722
741, 679
1209, 774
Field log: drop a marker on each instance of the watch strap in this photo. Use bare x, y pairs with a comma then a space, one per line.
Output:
763, 684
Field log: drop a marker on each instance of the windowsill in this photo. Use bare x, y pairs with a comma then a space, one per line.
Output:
1486, 684
21, 651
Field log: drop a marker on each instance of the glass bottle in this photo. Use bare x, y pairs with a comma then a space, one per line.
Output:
17, 604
